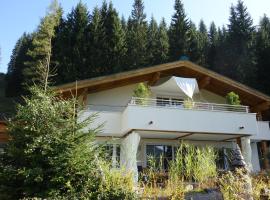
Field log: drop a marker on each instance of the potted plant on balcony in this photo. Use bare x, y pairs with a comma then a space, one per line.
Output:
188, 103
141, 93
233, 99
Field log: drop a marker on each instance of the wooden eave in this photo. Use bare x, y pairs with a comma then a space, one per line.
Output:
210, 80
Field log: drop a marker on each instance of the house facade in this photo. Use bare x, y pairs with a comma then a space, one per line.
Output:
135, 128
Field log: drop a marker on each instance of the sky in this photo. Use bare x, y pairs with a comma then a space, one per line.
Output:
17, 16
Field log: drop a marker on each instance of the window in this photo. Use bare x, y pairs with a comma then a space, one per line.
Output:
177, 102
161, 155
112, 152
162, 101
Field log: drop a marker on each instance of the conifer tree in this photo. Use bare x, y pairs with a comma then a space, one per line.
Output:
163, 43
114, 50
241, 55
203, 44
178, 32
39, 66
263, 54
136, 37
213, 43
95, 44
193, 51
71, 42
152, 42
16, 66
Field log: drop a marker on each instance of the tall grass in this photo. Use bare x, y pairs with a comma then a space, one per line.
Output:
194, 163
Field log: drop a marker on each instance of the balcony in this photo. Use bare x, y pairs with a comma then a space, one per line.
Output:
188, 105
156, 115
189, 117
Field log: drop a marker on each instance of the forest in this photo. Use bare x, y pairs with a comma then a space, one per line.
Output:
99, 42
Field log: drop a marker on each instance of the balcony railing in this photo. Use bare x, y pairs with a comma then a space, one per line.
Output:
189, 105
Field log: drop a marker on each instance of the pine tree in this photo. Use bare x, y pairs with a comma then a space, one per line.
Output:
73, 55
178, 32
152, 42
136, 37
163, 43
193, 51
213, 43
203, 44
114, 50
241, 55
39, 66
263, 54
16, 66
95, 44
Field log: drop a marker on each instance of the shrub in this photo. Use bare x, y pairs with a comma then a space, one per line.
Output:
233, 98
188, 104
142, 91
235, 185
116, 185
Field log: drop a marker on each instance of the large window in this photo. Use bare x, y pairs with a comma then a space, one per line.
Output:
112, 153
161, 155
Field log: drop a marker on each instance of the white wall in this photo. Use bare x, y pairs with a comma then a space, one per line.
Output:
171, 119
263, 131
114, 99
110, 122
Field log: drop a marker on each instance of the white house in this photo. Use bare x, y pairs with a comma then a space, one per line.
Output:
135, 128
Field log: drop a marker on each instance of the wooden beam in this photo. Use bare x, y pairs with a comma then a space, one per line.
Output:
261, 107
204, 82
154, 79
264, 154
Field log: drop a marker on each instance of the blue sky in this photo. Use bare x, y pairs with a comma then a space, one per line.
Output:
17, 16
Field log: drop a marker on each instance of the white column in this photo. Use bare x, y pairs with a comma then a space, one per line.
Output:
128, 154
247, 152
255, 157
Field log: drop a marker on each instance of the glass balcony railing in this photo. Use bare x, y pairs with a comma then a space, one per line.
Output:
188, 105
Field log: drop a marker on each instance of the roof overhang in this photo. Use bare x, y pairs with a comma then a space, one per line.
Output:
207, 79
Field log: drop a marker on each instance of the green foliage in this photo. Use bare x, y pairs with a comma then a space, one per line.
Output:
86, 45
233, 98
262, 54
233, 185
142, 91
15, 77
193, 163
116, 185
178, 32
188, 103
70, 48
136, 37
39, 66
49, 153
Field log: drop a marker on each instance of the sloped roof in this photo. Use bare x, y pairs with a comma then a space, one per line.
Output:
206, 78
